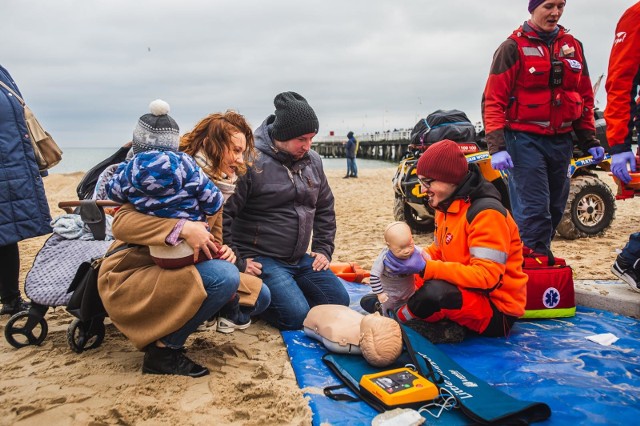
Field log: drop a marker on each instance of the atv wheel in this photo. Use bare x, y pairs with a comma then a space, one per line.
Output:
403, 212
590, 208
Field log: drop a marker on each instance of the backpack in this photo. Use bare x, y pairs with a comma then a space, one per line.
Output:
443, 124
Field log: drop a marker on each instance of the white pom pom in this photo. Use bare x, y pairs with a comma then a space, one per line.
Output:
159, 107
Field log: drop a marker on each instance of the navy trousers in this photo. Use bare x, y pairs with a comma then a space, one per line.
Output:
538, 184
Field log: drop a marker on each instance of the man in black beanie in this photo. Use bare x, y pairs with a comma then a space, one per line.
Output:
281, 205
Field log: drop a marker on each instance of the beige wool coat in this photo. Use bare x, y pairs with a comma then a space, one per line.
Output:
144, 301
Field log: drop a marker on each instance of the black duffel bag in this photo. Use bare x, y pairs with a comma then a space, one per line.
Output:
443, 124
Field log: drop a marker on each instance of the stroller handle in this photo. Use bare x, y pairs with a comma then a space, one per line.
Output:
76, 203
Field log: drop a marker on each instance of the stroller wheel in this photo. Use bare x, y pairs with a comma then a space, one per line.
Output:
83, 335
22, 329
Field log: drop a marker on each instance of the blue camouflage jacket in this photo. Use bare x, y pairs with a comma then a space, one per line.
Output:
165, 184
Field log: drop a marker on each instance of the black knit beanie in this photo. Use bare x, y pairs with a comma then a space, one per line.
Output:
294, 117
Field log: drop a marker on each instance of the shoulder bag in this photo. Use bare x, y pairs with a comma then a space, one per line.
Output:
47, 152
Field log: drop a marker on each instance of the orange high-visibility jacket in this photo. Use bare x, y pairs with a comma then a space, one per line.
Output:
483, 254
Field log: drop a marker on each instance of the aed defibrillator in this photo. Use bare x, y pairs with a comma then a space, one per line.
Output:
399, 387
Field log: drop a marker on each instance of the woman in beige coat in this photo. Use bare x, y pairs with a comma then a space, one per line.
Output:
157, 309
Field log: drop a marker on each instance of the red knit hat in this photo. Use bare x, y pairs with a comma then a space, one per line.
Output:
443, 161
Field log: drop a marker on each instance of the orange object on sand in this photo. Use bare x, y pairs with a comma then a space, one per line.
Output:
349, 271
630, 189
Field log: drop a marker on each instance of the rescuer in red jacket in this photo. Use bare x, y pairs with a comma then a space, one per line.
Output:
537, 92
622, 113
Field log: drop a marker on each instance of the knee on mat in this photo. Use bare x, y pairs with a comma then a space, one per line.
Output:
433, 296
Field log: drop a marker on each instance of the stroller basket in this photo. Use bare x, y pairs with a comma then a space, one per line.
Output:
47, 283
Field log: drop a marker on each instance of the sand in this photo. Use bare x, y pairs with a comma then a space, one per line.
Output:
251, 381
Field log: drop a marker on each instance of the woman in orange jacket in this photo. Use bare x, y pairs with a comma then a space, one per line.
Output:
473, 270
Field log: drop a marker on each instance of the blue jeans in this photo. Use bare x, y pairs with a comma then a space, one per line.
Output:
220, 279
538, 184
238, 314
631, 252
296, 288
352, 169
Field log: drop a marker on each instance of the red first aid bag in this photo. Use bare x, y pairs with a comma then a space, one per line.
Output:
550, 291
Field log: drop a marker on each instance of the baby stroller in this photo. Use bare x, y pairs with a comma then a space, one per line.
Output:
47, 283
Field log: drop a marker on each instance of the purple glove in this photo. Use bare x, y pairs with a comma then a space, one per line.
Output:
597, 152
619, 165
501, 160
415, 264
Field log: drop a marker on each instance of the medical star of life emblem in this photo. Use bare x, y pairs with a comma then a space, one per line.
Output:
551, 298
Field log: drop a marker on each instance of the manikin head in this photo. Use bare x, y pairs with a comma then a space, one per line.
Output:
399, 240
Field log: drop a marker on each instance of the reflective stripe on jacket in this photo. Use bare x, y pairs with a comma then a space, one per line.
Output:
484, 254
519, 96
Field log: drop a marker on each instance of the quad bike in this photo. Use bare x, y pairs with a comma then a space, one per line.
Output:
590, 208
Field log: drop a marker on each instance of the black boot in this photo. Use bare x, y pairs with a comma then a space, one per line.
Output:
14, 306
443, 331
170, 361
346, 177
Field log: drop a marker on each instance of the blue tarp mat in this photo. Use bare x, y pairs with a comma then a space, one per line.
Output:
548, 361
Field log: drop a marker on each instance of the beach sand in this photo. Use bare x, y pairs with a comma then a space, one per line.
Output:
251, 381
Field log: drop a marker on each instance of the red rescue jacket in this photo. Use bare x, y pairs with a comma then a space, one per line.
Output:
623, 81
519, 94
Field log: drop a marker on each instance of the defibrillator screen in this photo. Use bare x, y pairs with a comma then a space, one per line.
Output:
395, 382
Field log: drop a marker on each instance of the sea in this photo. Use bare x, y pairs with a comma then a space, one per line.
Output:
83, 159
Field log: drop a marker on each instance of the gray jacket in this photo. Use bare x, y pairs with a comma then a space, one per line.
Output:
278, 204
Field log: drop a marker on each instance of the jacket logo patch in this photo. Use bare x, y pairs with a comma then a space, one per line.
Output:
575, 65
620, 37
532, 51
448, 238
568, 50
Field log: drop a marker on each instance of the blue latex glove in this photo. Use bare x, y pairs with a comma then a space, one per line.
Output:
619, 165
501, 160
415, 264
597, 152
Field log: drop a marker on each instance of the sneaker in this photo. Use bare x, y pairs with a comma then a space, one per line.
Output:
15, 306
627, 273
170, 361
211, 322
370, 303
226, 326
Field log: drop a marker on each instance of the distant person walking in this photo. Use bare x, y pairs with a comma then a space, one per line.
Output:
24, 207
351, 152
621, 114
537, 92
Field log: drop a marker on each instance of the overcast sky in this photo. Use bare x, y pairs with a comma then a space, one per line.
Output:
90, 68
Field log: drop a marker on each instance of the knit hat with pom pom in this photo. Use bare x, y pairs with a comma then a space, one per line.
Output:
156, 131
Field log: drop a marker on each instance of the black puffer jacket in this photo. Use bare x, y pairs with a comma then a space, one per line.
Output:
278, 204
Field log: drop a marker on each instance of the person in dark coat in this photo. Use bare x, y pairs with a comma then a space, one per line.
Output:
282, 207
24, 212
351, 148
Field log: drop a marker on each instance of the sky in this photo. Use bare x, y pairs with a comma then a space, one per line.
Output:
90, 68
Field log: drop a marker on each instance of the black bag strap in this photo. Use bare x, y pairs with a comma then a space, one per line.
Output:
328, 391
95, 218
